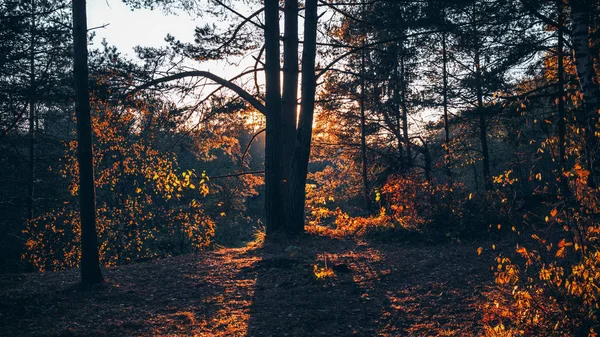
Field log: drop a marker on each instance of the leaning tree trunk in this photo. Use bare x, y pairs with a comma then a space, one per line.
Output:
585, 72
90, 266
299, 167
274, 204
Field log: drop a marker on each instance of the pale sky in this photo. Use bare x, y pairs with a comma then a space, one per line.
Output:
128, 28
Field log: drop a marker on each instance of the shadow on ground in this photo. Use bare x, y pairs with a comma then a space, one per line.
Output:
376, 290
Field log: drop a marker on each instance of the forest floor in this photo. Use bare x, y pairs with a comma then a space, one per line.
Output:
374, 289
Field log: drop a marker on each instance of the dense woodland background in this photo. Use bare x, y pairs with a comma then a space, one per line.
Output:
434, 121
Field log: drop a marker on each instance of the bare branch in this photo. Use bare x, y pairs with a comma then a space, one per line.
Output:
249, 144
199, 73
237, 174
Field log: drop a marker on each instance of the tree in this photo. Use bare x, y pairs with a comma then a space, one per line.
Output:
90, 264
35, 92
588, 80
300, 157
284, 204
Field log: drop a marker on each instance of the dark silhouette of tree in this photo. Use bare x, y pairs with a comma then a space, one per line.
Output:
90, 265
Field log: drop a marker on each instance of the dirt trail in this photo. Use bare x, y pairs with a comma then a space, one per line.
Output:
378, 289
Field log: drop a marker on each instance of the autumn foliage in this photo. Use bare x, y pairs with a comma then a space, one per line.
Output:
147, 206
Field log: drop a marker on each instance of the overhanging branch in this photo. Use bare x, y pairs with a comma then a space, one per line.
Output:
199, 73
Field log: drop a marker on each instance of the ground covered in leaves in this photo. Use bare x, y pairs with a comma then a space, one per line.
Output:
313, 286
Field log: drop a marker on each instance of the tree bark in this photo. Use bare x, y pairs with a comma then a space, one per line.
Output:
445, 104
363, 128
90, 265
274, 205
299, 168
290, 88
427, 159
32, 117
562, 161
588, 81
487, 179
405, 112
398, 113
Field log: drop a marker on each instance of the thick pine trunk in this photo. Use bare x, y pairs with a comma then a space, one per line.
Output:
274, 202
587, 79
90, 266
299, 168
290, 88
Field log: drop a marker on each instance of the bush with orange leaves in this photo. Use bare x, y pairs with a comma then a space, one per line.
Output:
552, 286
146, 205
412, 204
415, 203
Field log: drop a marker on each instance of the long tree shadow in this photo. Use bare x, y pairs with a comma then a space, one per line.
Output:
391, 290
380, 289
182, 296
291, 300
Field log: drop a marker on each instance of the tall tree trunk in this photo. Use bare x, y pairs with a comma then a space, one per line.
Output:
398, 113
90, 266
588, 81
274, 204
561, 102
487, 179
445, 104
290, 88
404, 112
299, 168
427, 159
32, 117
363, 123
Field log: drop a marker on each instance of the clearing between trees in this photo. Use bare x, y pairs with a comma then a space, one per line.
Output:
312, 286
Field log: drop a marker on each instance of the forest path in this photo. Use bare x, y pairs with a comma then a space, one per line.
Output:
379, 289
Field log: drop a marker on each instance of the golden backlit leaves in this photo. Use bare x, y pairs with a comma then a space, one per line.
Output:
146, 205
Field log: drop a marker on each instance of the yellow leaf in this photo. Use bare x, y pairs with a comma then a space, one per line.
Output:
138, 190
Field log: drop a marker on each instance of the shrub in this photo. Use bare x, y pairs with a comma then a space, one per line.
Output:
552, 287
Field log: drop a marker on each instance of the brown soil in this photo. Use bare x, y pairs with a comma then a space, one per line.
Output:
378, 289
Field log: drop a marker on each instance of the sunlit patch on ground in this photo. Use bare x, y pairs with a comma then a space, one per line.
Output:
394, 290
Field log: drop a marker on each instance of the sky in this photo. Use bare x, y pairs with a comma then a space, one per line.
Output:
127, 29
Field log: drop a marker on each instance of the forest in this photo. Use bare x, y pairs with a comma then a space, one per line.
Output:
360, 168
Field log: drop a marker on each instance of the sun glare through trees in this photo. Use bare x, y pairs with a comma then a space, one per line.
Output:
301, 168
